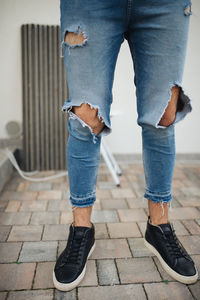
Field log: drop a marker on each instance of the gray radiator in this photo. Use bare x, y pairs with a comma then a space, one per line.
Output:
44, 91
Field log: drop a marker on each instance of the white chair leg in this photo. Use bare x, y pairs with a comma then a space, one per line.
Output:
109, 164
111, 157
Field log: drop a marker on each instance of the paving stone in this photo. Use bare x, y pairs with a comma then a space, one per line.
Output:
103, 185
40, 186
123, 230
135, 270
3, 295
46, 217
66, 194
191, 191
44, 277
137, 188
61, 247
177, 194
70, 295
113, 203
11, 185
55, 232
103, 194
183, 213
25, 233
31, 295
138, 248
14, 218
23, 186
3, 205
117, 292
66, 217
107, 272
178, 183
137, 202
104, 216
13, 205
100, 231
97, 205
142, 226
20, 276
38, 251
195, 290
162, 272
132, 215
178, 226
122, 193
25, 195
196, 259
179, 173
59, 186
189, 201
58, 205
90, 277
111, 249
170, 291
191, 243
9, 252
175, 203
192, 226
33, 205
48, 195
4, 232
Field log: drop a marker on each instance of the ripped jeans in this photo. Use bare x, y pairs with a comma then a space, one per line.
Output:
157, 35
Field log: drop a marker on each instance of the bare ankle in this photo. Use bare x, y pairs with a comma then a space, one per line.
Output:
158, 212
82, 216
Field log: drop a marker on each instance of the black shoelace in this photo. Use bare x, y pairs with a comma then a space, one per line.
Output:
174, 246
73, 253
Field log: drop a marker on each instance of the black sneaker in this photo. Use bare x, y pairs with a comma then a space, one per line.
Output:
70, 267
161, 240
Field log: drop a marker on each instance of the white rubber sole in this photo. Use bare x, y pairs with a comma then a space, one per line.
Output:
69, 286
171, 272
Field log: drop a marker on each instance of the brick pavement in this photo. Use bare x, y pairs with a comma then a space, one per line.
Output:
34, 224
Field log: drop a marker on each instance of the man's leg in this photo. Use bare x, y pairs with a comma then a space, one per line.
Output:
159, 213
82, 215
90, 44
157, 39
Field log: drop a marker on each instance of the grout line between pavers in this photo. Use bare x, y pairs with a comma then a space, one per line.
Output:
42, 234
107, 229
152, 257
139, 229
129, 247
190, 290
145, 291
185, 227
162, 278
34, 274
96, 266
115, 262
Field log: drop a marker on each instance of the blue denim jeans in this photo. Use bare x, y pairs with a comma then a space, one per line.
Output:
157, 35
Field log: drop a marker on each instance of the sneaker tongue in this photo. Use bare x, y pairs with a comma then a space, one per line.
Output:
80, 230
166, 228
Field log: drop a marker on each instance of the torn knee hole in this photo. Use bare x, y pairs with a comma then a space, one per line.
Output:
75, 38
173, 105
89, 115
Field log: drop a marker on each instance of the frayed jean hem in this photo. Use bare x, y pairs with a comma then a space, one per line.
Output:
158, 198
83, 203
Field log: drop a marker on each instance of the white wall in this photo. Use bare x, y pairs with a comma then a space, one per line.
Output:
126, 135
